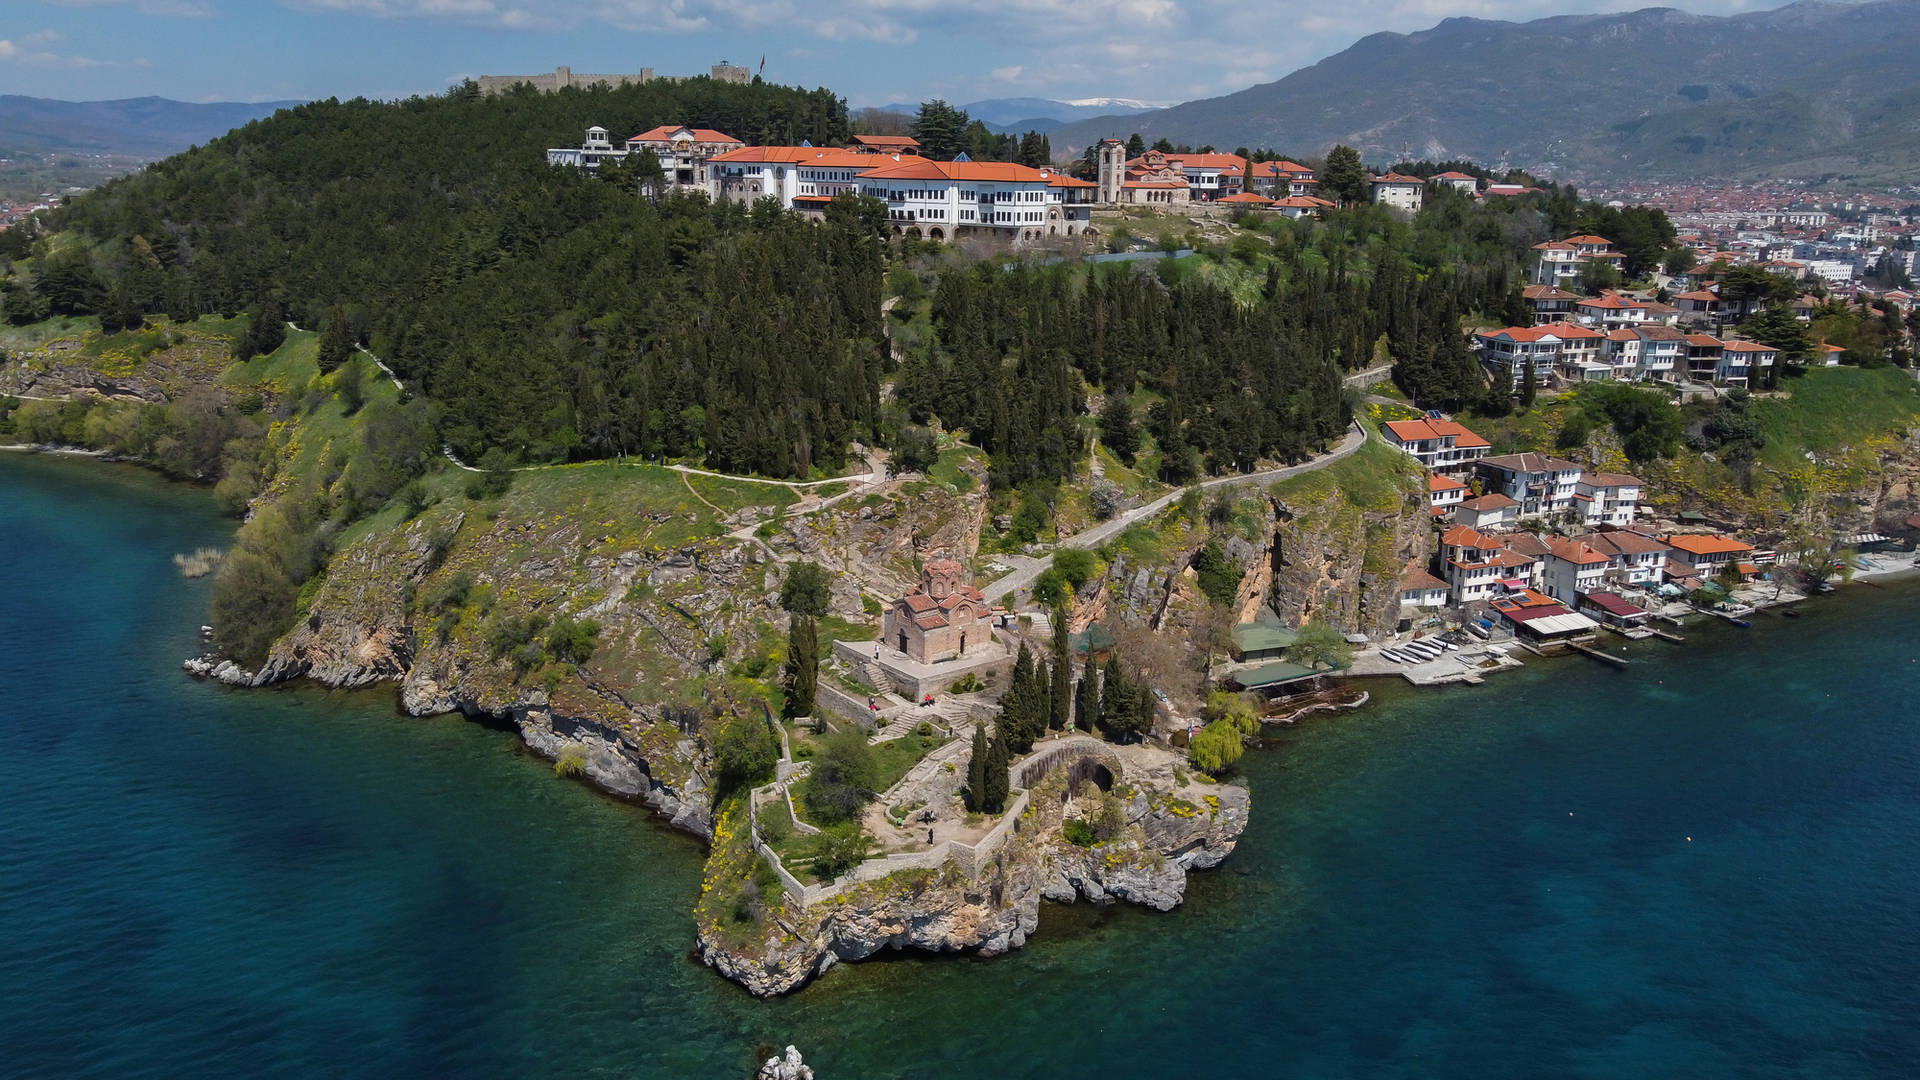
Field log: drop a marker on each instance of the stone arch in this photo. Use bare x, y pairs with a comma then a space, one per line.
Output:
936, 233
913, 231
1083, 756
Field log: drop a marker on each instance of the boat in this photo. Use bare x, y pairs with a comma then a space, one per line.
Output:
1789, 613
1742, 623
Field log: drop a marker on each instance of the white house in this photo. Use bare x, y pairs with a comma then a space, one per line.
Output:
1492, 511
684, 152
1559, 261
1458, 181
1444, 493
789, 174
1419, 589
1542, 485
1741, 360
1211, 177
1400, 192
1701, 555
1440, 445
1632, 558
592, 150
1572, 569
1476, 564
1610, 310
1607, 498
1280, 179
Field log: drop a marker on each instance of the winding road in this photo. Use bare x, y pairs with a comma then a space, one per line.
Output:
1028, 567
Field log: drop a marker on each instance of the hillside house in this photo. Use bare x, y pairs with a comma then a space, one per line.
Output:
1280, 179
1605, 498
1632, 558
1439, 445
1543, 486
1420, 589
1400, 192
1458, 181
1701, 555
1487, 512
1550, 303
885, 144
1477, 566
1209, 177
1610, 311
945, 200
1444, 493
594, 148
1741, 360
1572, 569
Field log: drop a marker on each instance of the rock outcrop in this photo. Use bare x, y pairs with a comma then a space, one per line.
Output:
1170, 825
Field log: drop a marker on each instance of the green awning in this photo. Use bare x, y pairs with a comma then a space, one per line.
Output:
1273, 674
1262, 637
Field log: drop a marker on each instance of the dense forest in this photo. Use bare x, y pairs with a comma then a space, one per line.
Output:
547, 312
551, 314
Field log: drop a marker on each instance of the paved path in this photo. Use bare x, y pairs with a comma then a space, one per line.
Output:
1375, 374
1029, 568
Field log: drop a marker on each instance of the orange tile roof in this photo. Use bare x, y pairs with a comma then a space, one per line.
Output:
831, 157
886, 140
1232, 163
1396, 178
976, 171
1450, 175
1748, 347
1061, 179
1302, 202
1703, 340
1567, 331
1589, 239
665, 131
1415, 430
1574, 551
1702, 544
1547, 292
1438, 482
1155, 184
1281, 169
1248, 198
1468, 537
1495, 501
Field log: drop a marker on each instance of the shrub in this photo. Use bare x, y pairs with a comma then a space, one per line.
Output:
1217, 747
744, 752
253, 602
572, 760
843, 777
572, 641
807, 590
1219, 578
1077, 832
838, 851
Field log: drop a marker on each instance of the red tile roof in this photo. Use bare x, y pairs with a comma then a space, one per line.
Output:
895, 141
1249, 198
1439, 482
830, 157
1574, 551
664, 133
1703, 544
1416, 430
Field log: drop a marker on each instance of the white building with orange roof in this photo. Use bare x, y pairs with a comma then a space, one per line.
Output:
1633, 558
1610, 311
1398, 191
1543, 485
798, 177
945, 200
1280, 179
1572, 569
885, 144
1439, 445
1444, 493
1487, 512
1477, 565
1605, 498
1458, 181
685, 153
1209, 177
1557, 262
1740, 361
1701, 555
1299, 206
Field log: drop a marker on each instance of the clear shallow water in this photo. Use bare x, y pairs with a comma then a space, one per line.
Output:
1477, 882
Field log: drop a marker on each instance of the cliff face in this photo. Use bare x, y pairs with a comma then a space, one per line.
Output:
1340, 563
1170, 828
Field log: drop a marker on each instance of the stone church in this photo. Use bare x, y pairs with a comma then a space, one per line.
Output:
941, 619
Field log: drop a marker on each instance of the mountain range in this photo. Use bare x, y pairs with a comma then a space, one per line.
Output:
146, 127
1810, 90
1023, 114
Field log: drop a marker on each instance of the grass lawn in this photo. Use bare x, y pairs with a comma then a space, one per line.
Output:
27, 338
895, 757
1830, 408
949, 468
1371, 478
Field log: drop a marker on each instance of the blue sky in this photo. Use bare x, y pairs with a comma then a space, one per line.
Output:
870, 51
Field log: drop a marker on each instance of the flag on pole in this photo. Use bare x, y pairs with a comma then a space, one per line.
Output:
763, 64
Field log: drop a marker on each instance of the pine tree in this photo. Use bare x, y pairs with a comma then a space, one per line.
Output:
1117, 429
977, 770
1062, 686
1344, 178
1087, 707
803, 666
335, 344
1136, 146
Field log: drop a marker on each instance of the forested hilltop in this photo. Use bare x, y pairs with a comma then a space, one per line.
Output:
549, 314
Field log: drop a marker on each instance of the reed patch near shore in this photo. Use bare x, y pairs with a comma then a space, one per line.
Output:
200, 562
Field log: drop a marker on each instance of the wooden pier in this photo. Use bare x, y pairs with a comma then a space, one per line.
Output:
1584, 649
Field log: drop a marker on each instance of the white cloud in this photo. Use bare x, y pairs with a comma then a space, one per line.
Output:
1149, 49
30, 50
173, 9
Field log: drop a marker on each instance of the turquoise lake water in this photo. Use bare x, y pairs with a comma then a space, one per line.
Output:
1468, 883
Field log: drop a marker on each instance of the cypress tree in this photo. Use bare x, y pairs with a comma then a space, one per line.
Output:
1088, 706
996, 782
335, 344
977, 770
1527, 389
803, 666
1061, 714
1115, 698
